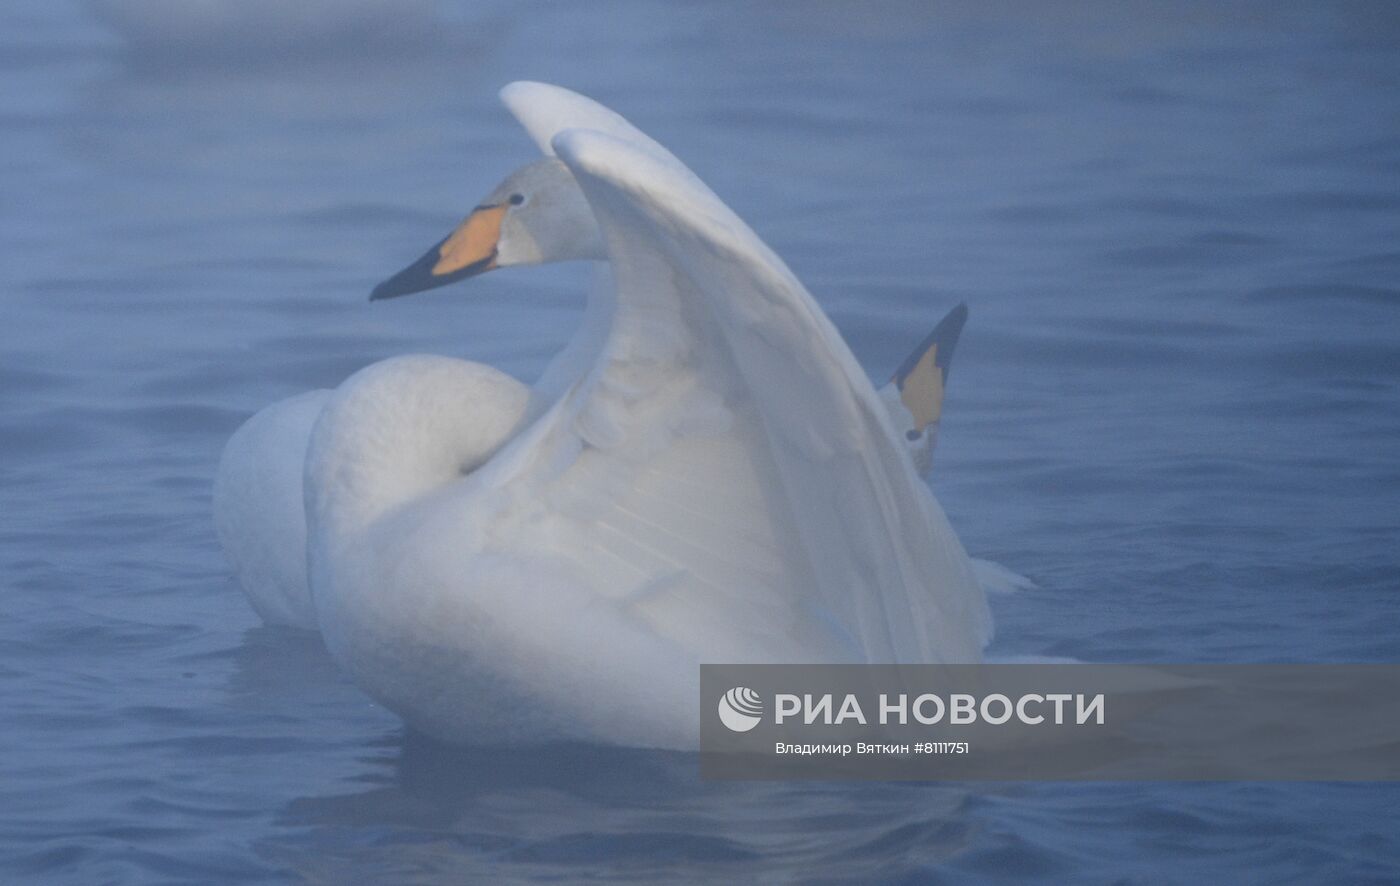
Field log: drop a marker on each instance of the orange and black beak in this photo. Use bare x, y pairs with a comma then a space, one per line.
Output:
466, 252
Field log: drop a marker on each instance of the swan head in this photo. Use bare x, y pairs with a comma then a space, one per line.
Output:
537, 215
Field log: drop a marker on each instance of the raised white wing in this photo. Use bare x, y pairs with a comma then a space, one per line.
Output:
725, 472
545, 111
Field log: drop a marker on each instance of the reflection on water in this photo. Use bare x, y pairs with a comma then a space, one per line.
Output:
1175, 404
491, 813
487, 814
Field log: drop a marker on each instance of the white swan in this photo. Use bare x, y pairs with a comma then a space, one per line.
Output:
704, 474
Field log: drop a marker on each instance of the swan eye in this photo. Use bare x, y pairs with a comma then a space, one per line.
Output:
912, 436
517, 199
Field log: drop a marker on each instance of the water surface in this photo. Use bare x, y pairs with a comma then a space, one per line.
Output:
1175, 406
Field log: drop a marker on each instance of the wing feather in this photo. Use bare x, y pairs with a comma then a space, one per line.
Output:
723, 468
887, 564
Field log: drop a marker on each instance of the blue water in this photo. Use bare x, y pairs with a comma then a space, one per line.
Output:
1176, 406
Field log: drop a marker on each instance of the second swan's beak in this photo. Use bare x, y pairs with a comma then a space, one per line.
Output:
467, 251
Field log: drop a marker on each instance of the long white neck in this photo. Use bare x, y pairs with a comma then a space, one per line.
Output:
400, 429
581, 352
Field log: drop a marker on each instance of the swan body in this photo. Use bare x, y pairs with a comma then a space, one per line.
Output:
259, 511
703, 475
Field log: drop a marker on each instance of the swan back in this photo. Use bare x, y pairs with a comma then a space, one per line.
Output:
400, 429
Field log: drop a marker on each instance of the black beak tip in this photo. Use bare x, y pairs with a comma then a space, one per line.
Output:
393, 288
419, 276
414, 278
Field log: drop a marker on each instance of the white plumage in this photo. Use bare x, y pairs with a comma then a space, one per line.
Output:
705, 475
